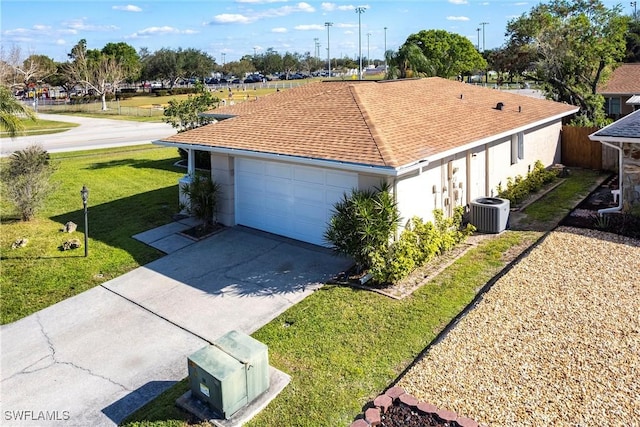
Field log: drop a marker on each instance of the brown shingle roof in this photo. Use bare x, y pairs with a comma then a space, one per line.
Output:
625, 80
385, 124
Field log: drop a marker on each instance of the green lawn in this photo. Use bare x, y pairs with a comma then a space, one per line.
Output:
131, 189
42, 127
563, 199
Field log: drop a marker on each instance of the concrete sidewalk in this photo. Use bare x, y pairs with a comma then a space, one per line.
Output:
95, 358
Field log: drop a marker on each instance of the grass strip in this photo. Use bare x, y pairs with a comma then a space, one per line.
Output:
41, 127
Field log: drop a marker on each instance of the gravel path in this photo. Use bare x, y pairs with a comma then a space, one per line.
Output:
556, 341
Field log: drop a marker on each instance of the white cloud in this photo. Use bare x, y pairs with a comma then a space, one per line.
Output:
232, 18
346, 25
457, 18
158, 31
39, 27
236, 18
127, 8
61, 42
522, 3
309, 27
279, 30
328, 7
80, 25
458, 2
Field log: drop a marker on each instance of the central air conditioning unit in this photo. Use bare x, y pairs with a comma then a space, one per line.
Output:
489, 214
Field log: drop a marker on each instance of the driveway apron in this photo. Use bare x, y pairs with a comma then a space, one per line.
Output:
95, 358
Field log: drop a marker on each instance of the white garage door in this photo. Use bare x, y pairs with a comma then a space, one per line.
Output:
289, 200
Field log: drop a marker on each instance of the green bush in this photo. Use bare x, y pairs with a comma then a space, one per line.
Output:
26, 180
161, 92
419, 242
519, 188
202, 193
363, 225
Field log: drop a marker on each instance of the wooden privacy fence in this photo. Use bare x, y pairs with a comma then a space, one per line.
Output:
579, 151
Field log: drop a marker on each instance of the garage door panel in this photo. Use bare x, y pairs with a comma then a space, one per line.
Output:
278, 187
291, 200
278, 170
310, 213
251, 166
347, 181
309, 174
308, 193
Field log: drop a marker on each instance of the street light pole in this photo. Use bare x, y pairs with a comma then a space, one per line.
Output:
634, 4
385, 50
360, 10
328, 25
483, 24
85, 198
478, 45
368, 57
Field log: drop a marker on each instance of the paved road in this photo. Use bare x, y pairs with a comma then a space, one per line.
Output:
94, 358
92, 133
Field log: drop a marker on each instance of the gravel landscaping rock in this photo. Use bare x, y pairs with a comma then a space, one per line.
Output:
555, 341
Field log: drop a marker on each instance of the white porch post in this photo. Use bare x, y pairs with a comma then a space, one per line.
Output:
187, 179
191, 162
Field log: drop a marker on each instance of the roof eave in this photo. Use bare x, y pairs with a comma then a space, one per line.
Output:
335, 164
498, 136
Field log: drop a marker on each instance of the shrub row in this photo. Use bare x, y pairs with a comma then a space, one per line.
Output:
519, 188
418, 243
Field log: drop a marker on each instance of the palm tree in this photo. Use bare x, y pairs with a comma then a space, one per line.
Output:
11, 112
408, 57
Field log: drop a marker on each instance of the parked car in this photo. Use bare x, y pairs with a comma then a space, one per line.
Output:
253, 78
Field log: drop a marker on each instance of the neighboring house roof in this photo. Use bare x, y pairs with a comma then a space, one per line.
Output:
387, 124
634, 100
626, 129
625, 80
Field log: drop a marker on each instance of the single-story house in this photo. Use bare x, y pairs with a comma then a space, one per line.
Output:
285, 159
624, 136
622, 91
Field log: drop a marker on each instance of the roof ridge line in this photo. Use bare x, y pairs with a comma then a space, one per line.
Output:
385, 154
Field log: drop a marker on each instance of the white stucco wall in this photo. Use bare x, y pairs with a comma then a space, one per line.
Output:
222, 172
542, 143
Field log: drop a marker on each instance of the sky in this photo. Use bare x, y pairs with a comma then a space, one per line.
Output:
229, 29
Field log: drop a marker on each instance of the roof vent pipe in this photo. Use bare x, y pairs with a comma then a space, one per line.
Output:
499, 106
519, 109
460, 96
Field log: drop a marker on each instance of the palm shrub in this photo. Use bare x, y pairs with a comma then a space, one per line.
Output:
26, 180
11, 112
363, 224
202, 193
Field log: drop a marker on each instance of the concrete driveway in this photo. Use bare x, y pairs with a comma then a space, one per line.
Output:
95, 358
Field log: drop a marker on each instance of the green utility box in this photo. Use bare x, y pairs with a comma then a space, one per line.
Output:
253, 354
229, 374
